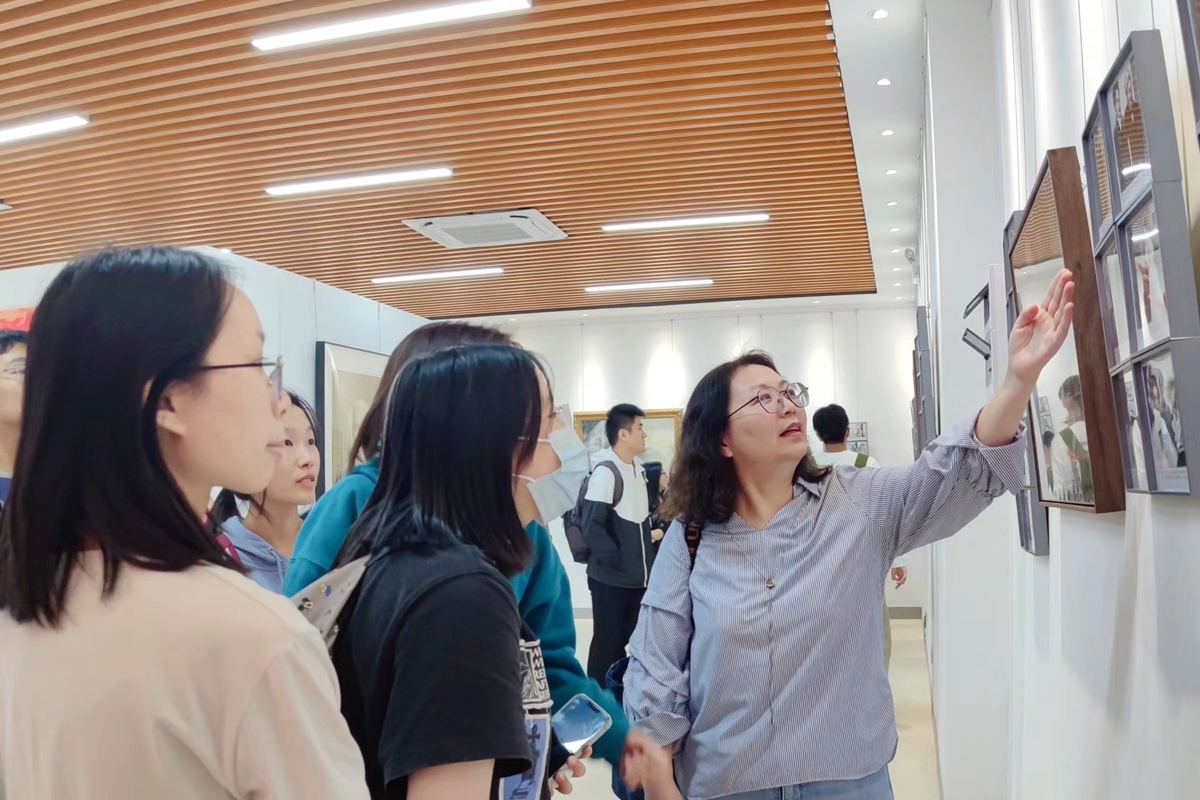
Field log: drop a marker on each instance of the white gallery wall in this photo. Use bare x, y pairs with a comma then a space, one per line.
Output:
861, 359
1101, 653
296, 313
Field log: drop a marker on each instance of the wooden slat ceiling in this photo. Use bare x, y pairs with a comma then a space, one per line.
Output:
591, 111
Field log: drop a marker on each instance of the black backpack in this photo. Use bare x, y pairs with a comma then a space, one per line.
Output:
573, 519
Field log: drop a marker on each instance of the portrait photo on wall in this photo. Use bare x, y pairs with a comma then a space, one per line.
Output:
347, 379
662, 433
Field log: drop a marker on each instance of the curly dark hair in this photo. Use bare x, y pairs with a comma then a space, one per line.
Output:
704, 484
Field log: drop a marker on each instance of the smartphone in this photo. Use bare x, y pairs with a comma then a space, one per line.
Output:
580, 723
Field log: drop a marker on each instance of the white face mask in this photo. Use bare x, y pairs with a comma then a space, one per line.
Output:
555, 494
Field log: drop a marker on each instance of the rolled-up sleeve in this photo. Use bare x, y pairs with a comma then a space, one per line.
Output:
656, 681
953, 481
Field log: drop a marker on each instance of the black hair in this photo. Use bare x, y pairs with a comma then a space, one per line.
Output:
112, 332
225, 506
446, 469
704, 483
426, 339
831, 424
621, 418
10, 339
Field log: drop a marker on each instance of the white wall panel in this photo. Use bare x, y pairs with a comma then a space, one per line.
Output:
802, 345
630, 362
298, 332
347, 319
394, 325
561, 348
700, 345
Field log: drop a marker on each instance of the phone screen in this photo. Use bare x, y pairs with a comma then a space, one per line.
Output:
579, 723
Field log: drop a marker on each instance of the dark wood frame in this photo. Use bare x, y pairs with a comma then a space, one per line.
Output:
1163, 191
1100, 413
1033, 520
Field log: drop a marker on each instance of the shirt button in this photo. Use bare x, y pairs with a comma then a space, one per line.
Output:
770, 583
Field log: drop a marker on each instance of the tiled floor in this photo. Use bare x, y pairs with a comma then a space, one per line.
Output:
914, 771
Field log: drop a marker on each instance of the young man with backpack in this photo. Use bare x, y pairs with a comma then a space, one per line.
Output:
832, 426
614, 525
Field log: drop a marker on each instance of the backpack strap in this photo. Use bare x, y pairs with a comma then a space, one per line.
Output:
618, 480
691, 535
860, 461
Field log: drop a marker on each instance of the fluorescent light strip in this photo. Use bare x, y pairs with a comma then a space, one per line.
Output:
392, 22
646, 287
440, 276
358, 181
685, 222
1132, 168
1141, 237
32, 129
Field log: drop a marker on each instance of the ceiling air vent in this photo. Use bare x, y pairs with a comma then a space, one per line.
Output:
523, 226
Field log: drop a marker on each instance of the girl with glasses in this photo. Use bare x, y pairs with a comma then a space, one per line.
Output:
135, 659
756, 657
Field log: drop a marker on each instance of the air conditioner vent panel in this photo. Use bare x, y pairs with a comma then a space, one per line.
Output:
490, 229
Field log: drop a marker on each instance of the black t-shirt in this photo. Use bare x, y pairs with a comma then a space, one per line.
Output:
431, 669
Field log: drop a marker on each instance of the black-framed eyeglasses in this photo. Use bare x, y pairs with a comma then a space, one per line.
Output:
771, 400
274, 376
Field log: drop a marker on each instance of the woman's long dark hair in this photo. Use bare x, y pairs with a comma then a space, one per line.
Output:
704, 484
225, 506
112, 332
426, 339
455, 420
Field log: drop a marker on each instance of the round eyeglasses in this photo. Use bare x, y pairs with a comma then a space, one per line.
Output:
771, 400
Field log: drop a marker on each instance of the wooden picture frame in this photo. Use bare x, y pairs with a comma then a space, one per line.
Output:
1077, 451
662, 424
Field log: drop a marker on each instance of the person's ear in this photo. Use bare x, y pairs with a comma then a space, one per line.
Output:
168, 416
726, 450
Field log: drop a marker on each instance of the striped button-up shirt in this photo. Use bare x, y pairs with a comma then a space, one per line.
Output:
764, 664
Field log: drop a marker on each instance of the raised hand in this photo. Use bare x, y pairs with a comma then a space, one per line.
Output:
1040, 331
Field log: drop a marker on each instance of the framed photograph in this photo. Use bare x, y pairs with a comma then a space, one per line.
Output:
16, 319
347, 379
1077, 453
1143, 263
858, 430
662, 429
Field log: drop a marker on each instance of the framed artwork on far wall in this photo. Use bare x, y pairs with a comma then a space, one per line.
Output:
16, 319
1076, 441
662, 428
347, 379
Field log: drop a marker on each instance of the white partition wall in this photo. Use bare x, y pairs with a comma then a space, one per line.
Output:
296, 312
860, 359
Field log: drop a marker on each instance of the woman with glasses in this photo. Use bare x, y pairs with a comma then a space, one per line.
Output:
12, 392
757, 656
135, 659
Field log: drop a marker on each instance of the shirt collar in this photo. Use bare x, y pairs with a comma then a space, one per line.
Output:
814, 488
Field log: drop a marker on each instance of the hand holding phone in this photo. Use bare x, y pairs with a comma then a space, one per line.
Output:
580, 723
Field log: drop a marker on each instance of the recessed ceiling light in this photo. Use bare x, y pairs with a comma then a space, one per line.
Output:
816, 302
226, 250
443, 275
685, 222
512, 319
585, 315
880, 14
739, 305
895, 230
29, 130
887, 133
896, 250
895, 269
645, 287
890, 172
359, 181
391, 22
883, 82
898, 297
892, 203
899, 284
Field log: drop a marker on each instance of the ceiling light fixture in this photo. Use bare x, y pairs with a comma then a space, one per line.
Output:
896, 250
888, 133
1141, 237
444, 275
648, 286
895, 269
883, 82
226, 250
358, 181
898, 297
890, 172
816, 302
899, 284
880, 14
892, 203
391, 22
895, 230
685, 222
29, 130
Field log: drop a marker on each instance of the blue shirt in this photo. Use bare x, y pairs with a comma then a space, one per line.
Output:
263, 563
5, 482
763, 664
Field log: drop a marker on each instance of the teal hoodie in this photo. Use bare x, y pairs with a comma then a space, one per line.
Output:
543, 594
